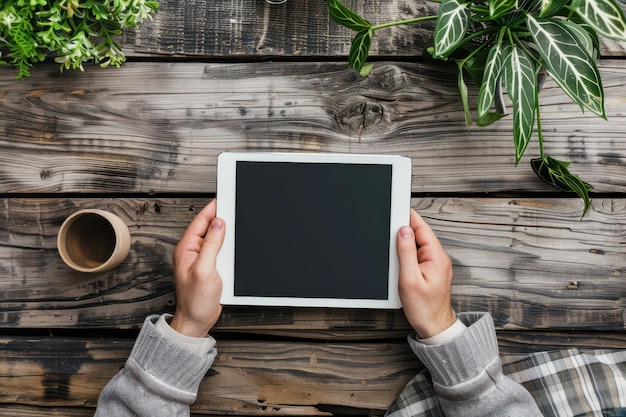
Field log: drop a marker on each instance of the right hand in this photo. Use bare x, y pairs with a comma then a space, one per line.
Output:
425, 279
198, 284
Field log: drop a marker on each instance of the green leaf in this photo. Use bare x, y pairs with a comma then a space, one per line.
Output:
556, 173
360, 50
366, 69
583, 37
491, 77
429, 54
464, 95
521, 85
568, 63
475, 66
592, 34
489, 118
605, 16
451, 27
498, 8
70, 31
551, 7
346, 17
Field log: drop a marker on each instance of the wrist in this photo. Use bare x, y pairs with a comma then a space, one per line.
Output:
188, 328
436, 326
198, 345
445, 336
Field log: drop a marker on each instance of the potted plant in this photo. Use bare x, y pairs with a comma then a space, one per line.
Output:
505, 45
73, 31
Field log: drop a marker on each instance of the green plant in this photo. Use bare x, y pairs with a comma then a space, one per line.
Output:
73, 31
505, 44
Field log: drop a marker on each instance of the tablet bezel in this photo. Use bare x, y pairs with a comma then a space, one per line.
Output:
226, 196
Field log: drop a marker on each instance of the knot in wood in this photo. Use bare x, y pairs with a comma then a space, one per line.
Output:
359, 117
387, 77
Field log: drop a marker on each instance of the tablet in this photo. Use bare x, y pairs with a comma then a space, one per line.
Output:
311, 230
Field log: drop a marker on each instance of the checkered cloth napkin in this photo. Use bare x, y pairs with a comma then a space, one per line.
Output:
566, 383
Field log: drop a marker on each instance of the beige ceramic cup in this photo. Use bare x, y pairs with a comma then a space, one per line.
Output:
93, 241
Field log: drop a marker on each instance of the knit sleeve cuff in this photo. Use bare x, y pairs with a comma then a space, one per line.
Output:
168, 362
198, 345
469, 358
447, 335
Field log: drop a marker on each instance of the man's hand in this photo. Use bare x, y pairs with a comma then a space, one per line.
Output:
425, 279
198, 284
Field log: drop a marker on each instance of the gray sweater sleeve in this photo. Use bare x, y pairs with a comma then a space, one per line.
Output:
467, 373
160, 378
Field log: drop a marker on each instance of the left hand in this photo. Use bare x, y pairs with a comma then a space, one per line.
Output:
198, 284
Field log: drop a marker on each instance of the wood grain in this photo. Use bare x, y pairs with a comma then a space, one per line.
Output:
144, 129
533, 263
247, 377
46, 376
10, 410
143, 142
19, 410
303, 28
519, 342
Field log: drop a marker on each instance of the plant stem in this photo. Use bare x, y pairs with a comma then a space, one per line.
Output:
404, 22
479, 9
509, 32
474, 52
539, 130
503, 31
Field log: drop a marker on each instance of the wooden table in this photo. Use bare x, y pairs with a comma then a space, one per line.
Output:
205, 77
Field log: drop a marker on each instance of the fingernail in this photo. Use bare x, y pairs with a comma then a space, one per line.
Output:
217, 224
406, 232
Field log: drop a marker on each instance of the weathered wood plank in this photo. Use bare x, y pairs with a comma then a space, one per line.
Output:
154, 127
303, 28
45, 376
532, 263
248, 377
515, 342
19, 410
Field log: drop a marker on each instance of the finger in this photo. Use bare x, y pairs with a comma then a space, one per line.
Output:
199, 225
407, 254
211, 245
429, 246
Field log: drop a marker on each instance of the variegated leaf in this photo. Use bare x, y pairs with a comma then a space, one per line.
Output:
550, 7
521, 86
605, 16
557, 174
346, 17
493, 66
545, 6
499, 7
583, 37
568, 63
360, 50
451, 27
593, 35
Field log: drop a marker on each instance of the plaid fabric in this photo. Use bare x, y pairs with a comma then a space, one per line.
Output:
567, 383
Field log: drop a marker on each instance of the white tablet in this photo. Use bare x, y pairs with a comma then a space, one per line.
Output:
311, 230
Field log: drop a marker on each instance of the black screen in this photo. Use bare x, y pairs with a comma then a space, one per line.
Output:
312, 230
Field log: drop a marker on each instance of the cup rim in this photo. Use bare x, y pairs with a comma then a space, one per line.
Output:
119, 228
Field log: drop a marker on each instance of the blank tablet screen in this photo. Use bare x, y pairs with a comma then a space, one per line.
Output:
312, 230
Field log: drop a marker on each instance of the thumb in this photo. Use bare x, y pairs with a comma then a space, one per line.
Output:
407, 253
212, 244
